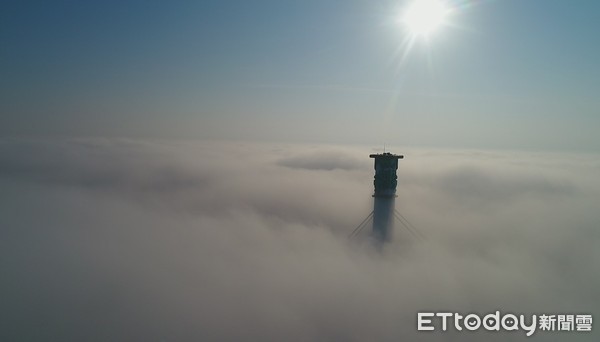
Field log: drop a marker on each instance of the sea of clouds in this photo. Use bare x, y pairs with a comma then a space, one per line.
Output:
123, 240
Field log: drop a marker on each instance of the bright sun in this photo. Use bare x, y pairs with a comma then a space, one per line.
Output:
423, 17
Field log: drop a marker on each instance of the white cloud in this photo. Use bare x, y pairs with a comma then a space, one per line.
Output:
128, 240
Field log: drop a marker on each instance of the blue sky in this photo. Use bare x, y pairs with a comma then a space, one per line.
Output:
507, 74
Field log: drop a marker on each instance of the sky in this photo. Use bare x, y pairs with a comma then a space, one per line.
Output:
192, 170
501, 74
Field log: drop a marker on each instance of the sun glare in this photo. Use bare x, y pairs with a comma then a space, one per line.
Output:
423, 17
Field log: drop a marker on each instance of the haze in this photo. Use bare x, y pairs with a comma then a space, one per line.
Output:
191, 171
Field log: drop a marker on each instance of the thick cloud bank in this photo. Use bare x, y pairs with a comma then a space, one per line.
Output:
114, 240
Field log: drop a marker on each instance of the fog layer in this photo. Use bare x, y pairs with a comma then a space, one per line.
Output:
117, 240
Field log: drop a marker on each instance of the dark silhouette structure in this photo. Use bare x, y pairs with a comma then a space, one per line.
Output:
385, 184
